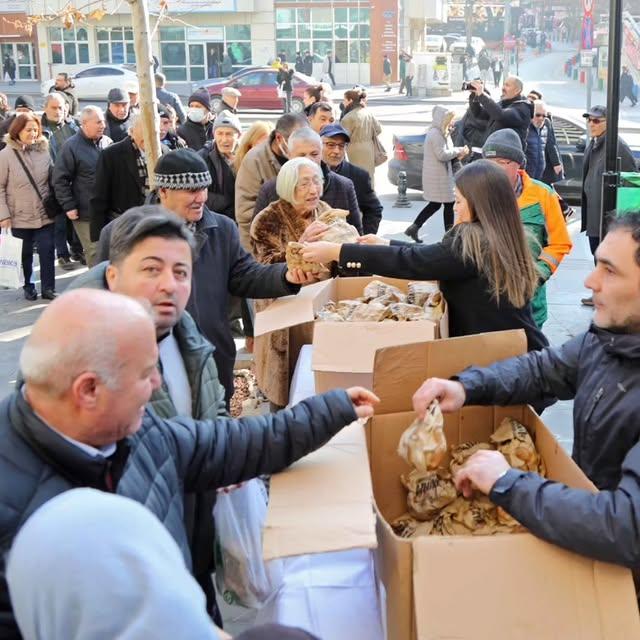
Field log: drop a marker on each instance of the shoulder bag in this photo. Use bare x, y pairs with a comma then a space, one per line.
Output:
51, 206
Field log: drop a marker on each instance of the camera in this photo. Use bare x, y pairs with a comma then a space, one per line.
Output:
466, 86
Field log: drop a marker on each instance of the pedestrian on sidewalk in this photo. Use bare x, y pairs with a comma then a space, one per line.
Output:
411, 72
402, 71
327, 68
386, 72
497, 68
9, 68
285, 83
484, 64
626, 87
441, 160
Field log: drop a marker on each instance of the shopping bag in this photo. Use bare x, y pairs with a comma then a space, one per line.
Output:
10, 261
281, 92
379, 152
241, 575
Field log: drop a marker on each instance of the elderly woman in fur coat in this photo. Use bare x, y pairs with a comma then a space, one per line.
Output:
24, 160
291, 218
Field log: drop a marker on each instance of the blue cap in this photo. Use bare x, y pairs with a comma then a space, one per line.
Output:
331, 130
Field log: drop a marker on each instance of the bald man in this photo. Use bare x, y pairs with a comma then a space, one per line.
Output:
80, 419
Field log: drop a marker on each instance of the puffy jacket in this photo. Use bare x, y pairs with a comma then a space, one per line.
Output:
155, 466
515, 113
599, 371
222, 190
116, 129
194, 134
58, 134
548, 236
536, 145
74, 172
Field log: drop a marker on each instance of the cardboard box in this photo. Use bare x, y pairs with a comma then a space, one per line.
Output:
343, 352
509, 586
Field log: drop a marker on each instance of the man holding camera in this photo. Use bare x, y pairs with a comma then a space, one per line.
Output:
513, 111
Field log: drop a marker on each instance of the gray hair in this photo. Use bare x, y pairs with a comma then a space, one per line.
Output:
55, 369
539, 104
518, 82
89, 111
289, 174
134, 120
305, 134
139, 223
54, 95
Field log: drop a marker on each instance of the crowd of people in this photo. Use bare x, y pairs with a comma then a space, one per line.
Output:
136, 402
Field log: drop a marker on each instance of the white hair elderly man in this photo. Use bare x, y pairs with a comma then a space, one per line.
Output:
122, 180
230, 99
338, 191
80, 420
74, 172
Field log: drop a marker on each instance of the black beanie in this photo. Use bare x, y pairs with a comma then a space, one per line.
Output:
182, 169
25, 101
202, 98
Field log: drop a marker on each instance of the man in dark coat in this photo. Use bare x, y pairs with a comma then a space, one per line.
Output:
626, 87
335, 141
64, 85
121, 180
168, 97
592, 170
197, 130
513, 111
308, 63
222, 268
299, 63
338, 192
80, 420
599, 371
230, 100
219, 156
117, 115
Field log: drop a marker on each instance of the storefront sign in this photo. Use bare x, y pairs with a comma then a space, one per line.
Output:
196, 6
586, 58
389, 32
210, 34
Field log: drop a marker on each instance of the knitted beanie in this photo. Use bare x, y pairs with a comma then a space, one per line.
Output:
506, 144
182, 169
201, 97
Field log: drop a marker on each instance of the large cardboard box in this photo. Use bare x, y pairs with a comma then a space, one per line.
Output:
509, 586
343, 352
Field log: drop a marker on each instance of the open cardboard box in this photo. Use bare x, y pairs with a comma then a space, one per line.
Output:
343, 352
508, 586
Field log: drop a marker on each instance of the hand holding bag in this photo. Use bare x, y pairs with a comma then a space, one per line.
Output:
52, 207
10, 260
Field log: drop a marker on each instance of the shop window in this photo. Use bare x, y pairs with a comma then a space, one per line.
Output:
69, 46
115, 46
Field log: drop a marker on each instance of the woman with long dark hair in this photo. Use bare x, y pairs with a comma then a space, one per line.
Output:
484, 264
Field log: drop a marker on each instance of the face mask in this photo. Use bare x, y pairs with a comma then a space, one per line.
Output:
196, 115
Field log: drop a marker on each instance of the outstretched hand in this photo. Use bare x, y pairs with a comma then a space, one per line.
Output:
322, 252
363, 401
449, 393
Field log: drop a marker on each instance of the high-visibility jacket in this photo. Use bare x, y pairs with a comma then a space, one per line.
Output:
547, 234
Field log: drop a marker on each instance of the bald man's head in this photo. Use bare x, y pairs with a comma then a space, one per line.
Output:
90, 365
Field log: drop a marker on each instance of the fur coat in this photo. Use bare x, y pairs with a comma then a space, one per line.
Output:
276, 353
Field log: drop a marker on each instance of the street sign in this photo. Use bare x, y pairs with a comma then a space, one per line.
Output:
586, 58
587, 32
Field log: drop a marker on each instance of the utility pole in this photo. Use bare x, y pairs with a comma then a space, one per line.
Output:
144, 69
507, 32
468, 20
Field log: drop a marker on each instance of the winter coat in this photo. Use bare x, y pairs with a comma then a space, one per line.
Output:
472, 129
386, 66
338, 192
117, 187
276, 353
368, 202
327, 65
258, 166
547, 234
552, 157
626, 84
173, 100
299, 64
227, 65
439, 153
599, 371
116, 129
223, 106
363, 127
155, 466
18, 199
536, 145
74, 172
58, 134
195, 135
285, 80
593, 167
235, 273
222, 190
308, 65
69, 98
472, 308
173, 141
514, 113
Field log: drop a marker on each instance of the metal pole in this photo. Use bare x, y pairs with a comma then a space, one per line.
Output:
610, 177
507, 32
589, 71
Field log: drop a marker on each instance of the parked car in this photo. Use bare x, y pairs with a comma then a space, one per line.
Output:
408, 156
436, 43
238, 70
95, 81
460, 46
259, 89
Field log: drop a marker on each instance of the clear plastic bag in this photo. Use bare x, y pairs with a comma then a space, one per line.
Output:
241, 574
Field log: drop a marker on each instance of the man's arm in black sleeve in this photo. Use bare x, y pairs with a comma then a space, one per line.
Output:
510, 117
370, 206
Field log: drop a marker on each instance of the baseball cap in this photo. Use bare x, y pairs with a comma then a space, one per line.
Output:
598, 111
331, 130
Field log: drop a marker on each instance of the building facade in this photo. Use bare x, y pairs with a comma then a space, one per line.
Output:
16, 41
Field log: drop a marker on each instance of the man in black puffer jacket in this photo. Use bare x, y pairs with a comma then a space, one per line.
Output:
117, 115
599, 370
80, 420
513, 111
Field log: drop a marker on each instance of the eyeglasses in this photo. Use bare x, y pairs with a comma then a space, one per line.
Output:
336, 145
596, 120
305, 185
540, 115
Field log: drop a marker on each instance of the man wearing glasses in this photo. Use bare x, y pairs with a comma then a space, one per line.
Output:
335, 142
592, 170
542, 151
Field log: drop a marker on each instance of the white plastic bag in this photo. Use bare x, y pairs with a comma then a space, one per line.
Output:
10, 260
241, 575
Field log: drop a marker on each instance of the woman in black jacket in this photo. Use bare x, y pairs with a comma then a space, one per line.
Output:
484, 264
285, 83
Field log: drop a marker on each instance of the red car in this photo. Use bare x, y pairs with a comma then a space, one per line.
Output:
259, 89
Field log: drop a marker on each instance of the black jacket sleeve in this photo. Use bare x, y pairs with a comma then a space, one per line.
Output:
627, 161
220, 452
100, 201
102, 248
551, 149
370, 206
410, 261
538, 377
63, 174
266, 196
604, 526
250, 279
355, 216
510, 117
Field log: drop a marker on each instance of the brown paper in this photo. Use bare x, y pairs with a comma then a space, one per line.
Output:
462, 452
429, 491
434, 306
377, 288
514, 442
296, 261
418, 292
423, 444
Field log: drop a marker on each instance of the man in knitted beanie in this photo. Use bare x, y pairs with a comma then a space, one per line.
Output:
197, 130
539, 209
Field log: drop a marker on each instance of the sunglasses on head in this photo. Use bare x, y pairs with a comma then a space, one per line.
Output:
596, 120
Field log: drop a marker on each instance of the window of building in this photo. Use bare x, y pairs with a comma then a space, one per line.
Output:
22, 53
341, 30
115, 46
69, 46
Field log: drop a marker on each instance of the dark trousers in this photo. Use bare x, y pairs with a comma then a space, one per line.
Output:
333, 80
66, 237
44, 238
496, 77
403, 82
594, 242
286, 102
409, 81
430, 209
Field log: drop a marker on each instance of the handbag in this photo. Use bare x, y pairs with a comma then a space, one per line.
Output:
379, 152
51, 206
11, 275
281, 92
